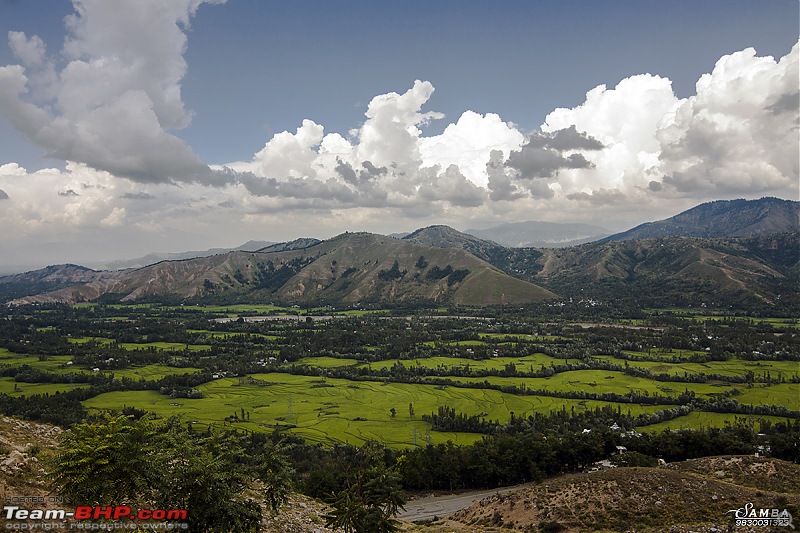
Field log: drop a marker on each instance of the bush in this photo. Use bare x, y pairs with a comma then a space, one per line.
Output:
634, 459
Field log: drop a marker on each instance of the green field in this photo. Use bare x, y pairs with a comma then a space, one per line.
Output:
229, 334
665, 354
57, 364
778, 322
143, 345
150, 372
322, 414
331, 410
29, 389
326, 411
698, 315
786, 394
216, 309
54, 364
732, 367
361, 312
702, 419
601, 381
327, 362
84, 340
530, 362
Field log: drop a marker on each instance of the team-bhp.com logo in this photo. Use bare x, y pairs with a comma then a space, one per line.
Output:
751, 516
87, 517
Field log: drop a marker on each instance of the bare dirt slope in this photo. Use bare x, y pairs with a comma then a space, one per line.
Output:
690, 496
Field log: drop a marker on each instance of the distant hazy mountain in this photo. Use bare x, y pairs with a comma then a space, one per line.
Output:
723, 218
48, 279
538, 234
57, 274
151, 259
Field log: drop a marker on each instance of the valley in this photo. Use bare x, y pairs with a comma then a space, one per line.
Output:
363, 369
380, 375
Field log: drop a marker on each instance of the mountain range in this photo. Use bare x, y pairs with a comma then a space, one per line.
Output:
353, 268
155, 257
538, 234
741, 254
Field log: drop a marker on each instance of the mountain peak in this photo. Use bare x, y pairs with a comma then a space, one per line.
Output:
723, 218
441, 236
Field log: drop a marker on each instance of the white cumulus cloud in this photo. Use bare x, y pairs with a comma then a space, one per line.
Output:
114, 102
109, 104
386, 163
739, 133
469, 142
737, 136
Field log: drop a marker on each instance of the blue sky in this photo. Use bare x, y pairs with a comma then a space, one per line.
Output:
189, 149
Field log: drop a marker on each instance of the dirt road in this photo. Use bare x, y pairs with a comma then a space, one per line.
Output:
440, 506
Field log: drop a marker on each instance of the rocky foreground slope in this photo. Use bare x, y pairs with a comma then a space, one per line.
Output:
694, 495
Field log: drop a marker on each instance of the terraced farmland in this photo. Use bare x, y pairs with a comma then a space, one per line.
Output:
362, 377
335, 410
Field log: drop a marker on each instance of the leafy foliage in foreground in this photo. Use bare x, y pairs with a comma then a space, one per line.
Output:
372, 496
160, 464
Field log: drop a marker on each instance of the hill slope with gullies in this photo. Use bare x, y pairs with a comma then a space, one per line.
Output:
757, 271
349, 269
723, 218
761, 271
694, 495
48, 279
446, 237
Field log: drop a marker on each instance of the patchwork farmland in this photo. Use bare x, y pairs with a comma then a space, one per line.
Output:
356, 377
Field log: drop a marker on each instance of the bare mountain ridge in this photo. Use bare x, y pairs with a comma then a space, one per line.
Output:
153, 258
723, 218
48, 279
67, 273
297, 244
676, 270
439, 236
760, 271
350, 268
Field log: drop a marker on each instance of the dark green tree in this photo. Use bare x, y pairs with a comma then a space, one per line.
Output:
372, 497
114, 460
160, 464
